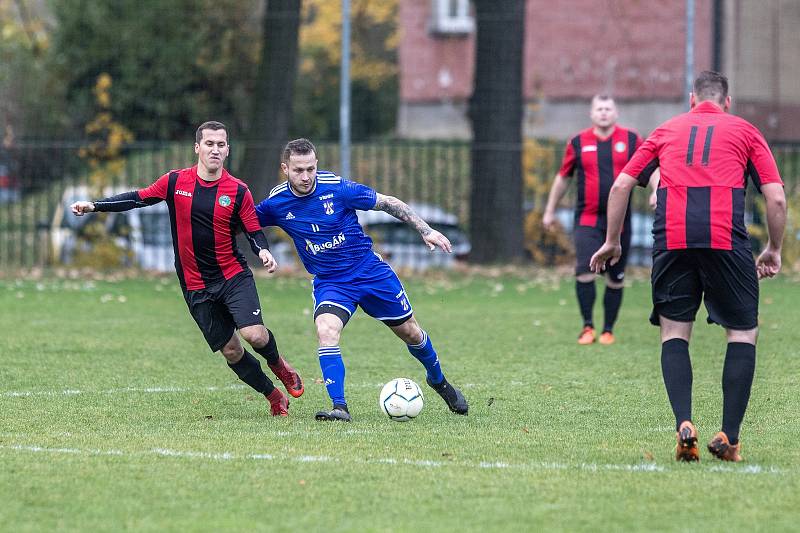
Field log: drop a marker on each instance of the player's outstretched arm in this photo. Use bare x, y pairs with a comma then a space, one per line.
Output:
401, 211
120, 202
769, 262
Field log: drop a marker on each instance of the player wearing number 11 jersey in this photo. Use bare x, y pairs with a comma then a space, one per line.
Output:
702, 251
318, 211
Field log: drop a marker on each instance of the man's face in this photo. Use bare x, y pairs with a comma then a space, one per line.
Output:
212, 149
301, 170
603, 113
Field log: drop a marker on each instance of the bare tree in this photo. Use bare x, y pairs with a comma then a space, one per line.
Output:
496, 109
272, 101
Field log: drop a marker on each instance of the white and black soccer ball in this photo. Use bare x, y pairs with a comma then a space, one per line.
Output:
401, 399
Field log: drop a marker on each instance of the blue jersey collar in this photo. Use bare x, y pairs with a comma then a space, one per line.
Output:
309, 193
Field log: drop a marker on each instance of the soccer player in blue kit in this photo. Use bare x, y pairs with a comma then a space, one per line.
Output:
317, 209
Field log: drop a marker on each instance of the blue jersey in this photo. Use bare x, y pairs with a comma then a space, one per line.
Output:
323, 223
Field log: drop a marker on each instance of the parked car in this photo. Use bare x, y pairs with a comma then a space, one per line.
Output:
401, 246
10, 190
145, 232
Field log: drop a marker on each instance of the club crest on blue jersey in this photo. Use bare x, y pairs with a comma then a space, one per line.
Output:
328, 208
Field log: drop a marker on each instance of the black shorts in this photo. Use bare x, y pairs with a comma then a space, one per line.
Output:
223, 308
725, 280
588, 240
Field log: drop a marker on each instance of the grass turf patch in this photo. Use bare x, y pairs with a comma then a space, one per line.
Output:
116, 415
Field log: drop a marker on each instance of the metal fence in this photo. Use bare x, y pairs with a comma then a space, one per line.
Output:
38, 180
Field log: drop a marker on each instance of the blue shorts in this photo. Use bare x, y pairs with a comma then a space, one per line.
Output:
375, 288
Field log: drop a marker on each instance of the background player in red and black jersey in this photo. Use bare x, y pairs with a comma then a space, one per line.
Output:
595, 157
702, 251
207, 208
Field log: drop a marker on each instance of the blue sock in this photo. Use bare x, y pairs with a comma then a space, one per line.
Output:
330, 361
426, 355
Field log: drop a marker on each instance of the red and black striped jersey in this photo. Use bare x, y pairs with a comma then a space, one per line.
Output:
597, 162
205, 217
705, 157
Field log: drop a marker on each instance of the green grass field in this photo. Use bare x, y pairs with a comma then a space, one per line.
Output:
114, 415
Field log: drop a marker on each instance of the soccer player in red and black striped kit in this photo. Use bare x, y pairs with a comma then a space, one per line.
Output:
595, 156
702, 250
207, 208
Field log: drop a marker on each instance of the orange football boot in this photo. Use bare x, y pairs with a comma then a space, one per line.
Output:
586, 336
721, 448
606, 338
686, 450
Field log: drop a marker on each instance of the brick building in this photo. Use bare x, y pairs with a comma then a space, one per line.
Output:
632, 49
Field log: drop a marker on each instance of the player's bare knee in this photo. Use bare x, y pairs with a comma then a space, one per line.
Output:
329, 328
233, 352
748, 336
256, 336
672, 329
409, 332
328, 333
586, 277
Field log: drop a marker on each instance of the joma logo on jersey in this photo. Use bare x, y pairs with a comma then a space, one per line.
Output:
328, 208
183, 193
329, 245
326, 196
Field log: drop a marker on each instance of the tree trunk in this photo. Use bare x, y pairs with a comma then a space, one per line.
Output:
496, 110
272, 101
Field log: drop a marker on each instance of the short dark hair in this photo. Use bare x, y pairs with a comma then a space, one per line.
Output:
210, 125
710, 85
602, 96
297, 147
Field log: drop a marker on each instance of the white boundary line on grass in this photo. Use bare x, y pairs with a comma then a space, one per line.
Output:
537, 466
167, 389
123, 390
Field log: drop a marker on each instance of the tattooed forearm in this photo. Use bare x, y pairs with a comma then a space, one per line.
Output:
401, 211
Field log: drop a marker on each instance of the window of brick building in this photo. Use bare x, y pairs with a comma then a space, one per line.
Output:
451, 17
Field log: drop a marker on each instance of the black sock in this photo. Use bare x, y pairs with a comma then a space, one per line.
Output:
586, 295
612, 300
249, 370
270, 350
676, 367
737, 378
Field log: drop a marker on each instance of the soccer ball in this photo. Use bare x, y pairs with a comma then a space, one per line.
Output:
401, 399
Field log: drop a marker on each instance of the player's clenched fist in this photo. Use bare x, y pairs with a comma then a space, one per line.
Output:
81, 208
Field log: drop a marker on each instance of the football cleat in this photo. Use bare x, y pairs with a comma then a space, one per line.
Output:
278, 403
288, 376
451, 396
586, 336
606, 338
338, 413
721, 448
686, 450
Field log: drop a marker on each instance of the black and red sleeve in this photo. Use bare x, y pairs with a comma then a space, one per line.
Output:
134, 199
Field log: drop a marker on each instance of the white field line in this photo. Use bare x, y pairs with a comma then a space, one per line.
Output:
646, 468
161, 390
123, 390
